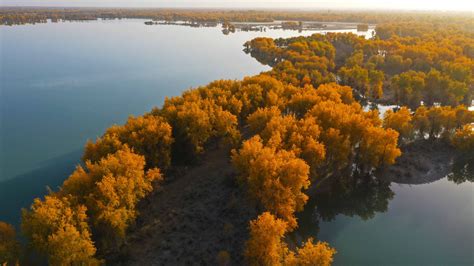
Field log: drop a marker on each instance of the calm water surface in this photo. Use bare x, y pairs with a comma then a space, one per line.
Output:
64, 83
429, 224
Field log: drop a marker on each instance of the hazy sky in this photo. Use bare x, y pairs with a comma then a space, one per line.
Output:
461, 5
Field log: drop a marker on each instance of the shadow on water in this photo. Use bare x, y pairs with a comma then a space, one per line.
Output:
19, 192
369, 196
363, 199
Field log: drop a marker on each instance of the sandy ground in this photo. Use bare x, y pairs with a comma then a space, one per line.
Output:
422, 162
191, 218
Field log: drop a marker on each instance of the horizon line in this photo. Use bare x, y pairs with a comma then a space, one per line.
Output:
301, 9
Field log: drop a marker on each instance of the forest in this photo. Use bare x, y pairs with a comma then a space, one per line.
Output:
311, 121
26, 15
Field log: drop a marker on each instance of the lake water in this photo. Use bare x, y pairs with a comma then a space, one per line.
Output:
64, 83
429, 224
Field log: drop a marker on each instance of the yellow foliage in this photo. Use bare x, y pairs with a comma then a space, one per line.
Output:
441, 121
399, 121
463, 139
59, 230
146, 135
276, 178
310, 254
379, 147
264, 247
108, 143
299, 136
258, 120
196, 122
338, 148
421, 122
303, 100
336, 93
9, 246
111, 188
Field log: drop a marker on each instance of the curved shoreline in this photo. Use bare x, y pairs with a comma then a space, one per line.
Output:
422, 162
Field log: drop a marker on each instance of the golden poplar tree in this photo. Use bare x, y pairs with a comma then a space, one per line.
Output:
399, 121
9, 246
266, 246
58, 229
275, 178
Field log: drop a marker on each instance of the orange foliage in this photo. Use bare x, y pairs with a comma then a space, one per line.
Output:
311, 254
146, 135
276, 178
9, 246
58, 228
266, 246
399, 121
463, 139
111, 189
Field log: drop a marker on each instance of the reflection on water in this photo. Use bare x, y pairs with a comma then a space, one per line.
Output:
375, 222
463, 169
358, 199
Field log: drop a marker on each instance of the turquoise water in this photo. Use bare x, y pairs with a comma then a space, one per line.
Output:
64, 83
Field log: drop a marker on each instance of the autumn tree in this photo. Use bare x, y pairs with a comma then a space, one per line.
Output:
421, 123
335, 93
375, 88
266, 246
399, 121
9, 246
409, 88
259, 119
379, 147
310, 254
275, 178
300, 136
303, 100
107, 144
197, 122
148, 135
338, 149
58, 229
111, 189
463, 139
355, 77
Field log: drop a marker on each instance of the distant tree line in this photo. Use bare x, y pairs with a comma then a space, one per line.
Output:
409, 64
26, 15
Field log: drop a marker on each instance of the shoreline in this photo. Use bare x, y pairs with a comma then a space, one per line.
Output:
422, 162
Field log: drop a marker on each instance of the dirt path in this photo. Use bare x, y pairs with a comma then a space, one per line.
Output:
190, 219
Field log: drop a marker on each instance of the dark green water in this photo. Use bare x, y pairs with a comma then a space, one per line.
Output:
64, 83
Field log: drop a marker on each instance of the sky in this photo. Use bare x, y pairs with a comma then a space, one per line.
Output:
456, 5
